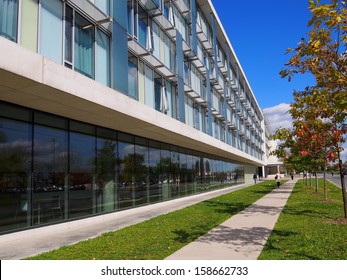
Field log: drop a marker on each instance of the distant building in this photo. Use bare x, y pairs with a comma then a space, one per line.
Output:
273, 164
108, 105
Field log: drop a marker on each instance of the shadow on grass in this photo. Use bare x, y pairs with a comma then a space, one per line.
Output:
273, 250
186, 236
253, 236
224, 207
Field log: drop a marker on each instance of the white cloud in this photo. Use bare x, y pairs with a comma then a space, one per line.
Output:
278, 116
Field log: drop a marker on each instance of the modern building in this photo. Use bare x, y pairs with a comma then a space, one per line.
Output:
107, 105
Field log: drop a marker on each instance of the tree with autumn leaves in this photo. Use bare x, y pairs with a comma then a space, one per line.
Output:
319, 112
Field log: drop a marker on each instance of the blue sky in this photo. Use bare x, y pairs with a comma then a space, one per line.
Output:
260, 33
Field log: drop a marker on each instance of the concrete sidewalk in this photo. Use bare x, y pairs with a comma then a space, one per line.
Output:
244, 235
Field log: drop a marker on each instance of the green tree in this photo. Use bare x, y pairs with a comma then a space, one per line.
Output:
323, 54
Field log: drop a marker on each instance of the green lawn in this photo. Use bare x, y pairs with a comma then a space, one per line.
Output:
161, 236
307, 228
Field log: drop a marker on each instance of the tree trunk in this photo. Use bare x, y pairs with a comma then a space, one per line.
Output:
324, 181
343, 187
316, 182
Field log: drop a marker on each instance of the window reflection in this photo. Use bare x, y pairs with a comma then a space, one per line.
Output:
15, 164
141, 172
86, 170
106, 163
126, 170
155, 175
82, 174
50, 173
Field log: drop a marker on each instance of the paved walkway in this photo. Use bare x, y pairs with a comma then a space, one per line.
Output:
241, 237
244, 235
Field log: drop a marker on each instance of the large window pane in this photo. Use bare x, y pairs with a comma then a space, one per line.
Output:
165, 167
183, 173
155, 176
141, 171
102, 71
50, 174
84, 46
149, 90
9, 18
132, 77
126, 161
106, 166
142, 28
15, 165
82, 174
156, 40
175, 172
158, 92
51, 29
68, 36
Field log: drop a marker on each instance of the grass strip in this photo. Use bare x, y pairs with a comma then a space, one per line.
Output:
159, 237
309, 227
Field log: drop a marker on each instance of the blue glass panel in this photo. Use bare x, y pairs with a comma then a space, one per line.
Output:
132, 78
9, 18
84, 46
120, 58
102, 67
51, 30
103, 5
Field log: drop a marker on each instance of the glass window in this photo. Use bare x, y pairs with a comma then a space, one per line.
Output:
149, 87
125, 172
106, 162
155, 176
84, 46
183, 173
141, 81
102, 68
167, 51
141, 169
143, 26
51, 29
132, 77
103, 5
165, 167
68, 36
9, 19
130, 17
50, 174
169, 98
156, 40
175, 172
15, 171
82, 174
158, 92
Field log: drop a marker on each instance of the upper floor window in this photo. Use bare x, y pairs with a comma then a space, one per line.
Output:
87, 48
9, 19
138, 23
103, 5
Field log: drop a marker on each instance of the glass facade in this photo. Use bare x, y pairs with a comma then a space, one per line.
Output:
54, 169
162, 53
